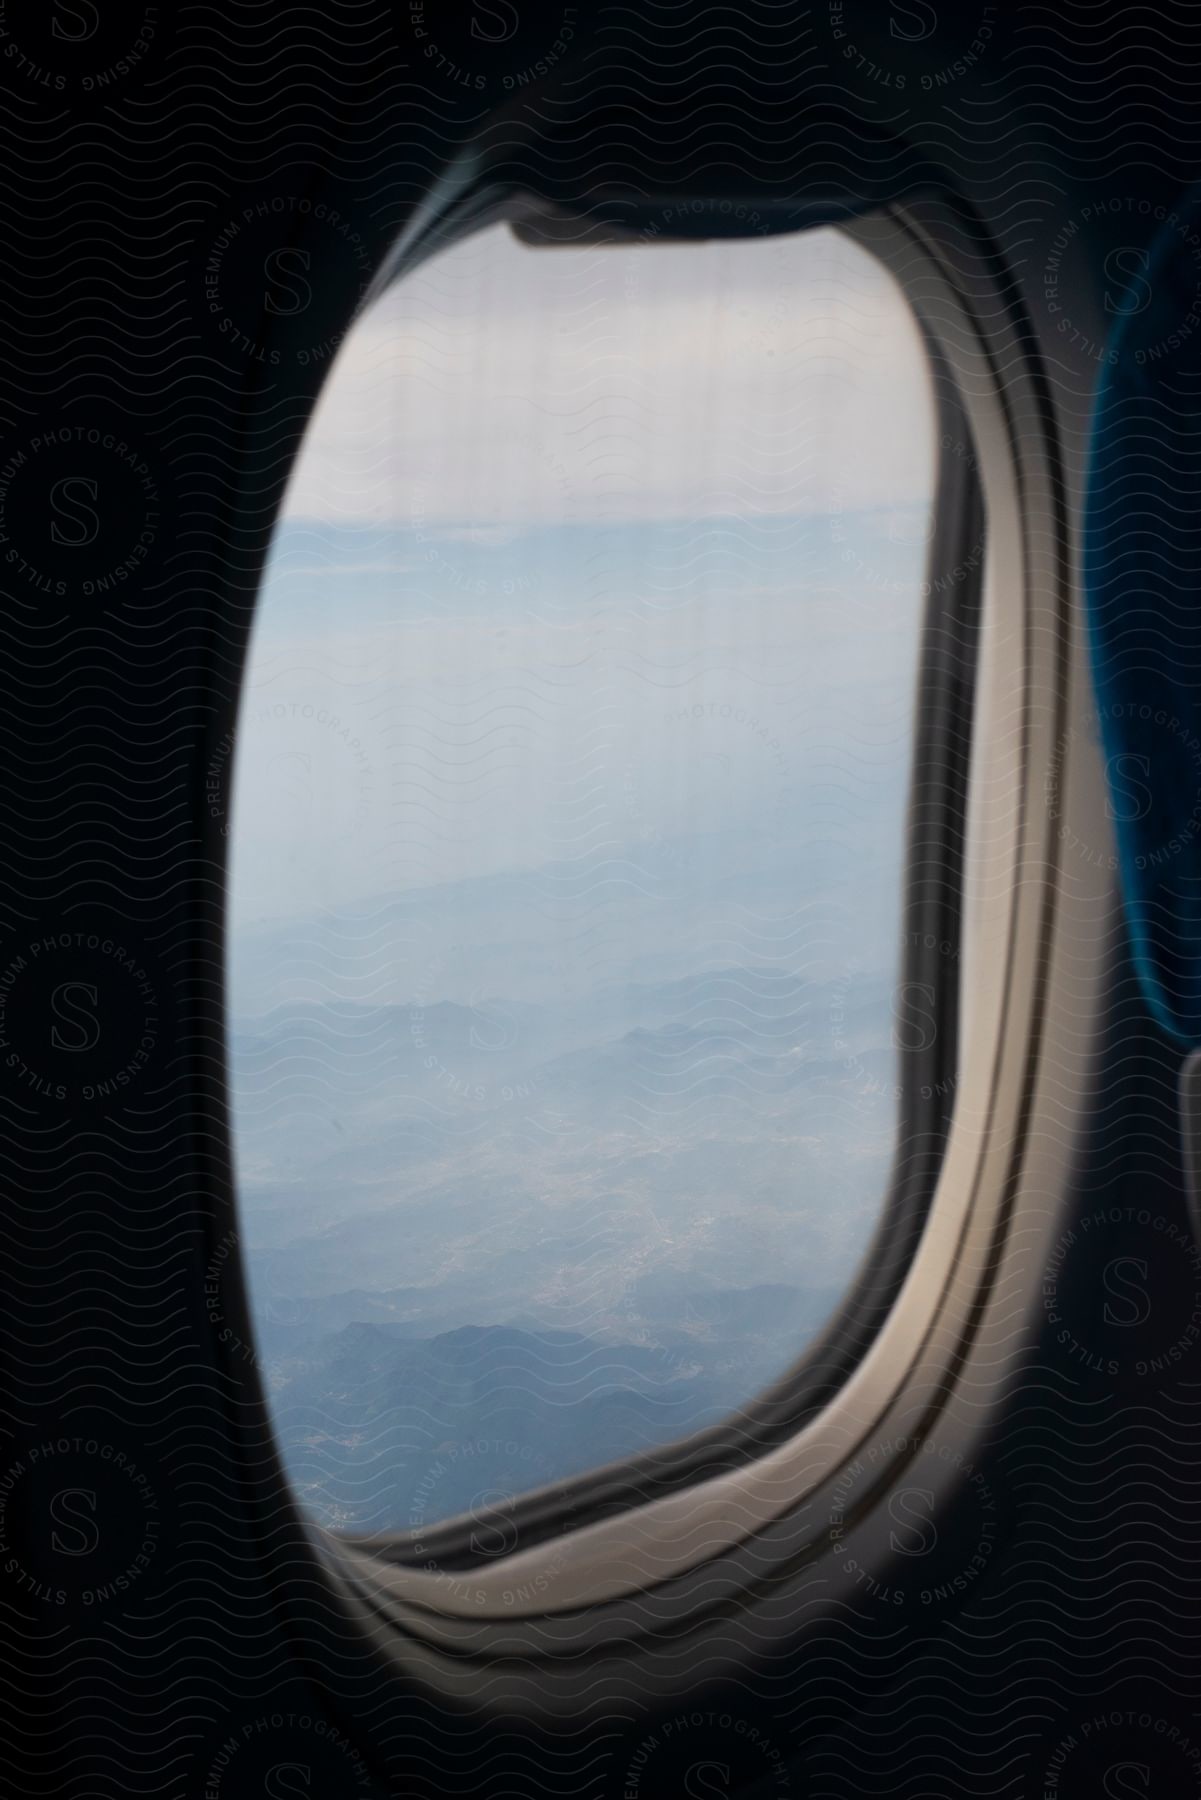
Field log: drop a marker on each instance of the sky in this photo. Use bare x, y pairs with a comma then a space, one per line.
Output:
590, 552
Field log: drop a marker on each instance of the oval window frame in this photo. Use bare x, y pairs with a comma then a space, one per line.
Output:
690, 1533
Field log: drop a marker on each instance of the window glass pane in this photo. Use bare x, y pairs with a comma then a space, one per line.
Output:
571, 775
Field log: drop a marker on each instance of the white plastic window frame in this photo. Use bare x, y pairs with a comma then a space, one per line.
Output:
746, 1518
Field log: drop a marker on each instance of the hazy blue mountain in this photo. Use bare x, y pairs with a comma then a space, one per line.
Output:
513, 1238
382, 1431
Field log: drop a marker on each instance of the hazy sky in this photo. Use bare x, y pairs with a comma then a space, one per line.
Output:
590, 549
500, 386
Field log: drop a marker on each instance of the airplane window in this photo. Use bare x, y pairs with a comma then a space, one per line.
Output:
568, 817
